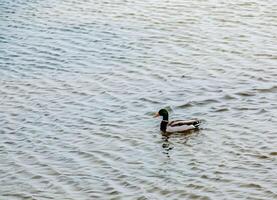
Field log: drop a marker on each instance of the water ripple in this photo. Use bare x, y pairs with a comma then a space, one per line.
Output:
80, 81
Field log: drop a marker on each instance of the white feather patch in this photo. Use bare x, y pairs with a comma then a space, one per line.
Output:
184, 127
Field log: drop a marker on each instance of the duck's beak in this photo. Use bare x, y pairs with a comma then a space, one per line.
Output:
156, 115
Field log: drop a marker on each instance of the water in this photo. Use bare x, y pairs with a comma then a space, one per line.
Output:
80, 81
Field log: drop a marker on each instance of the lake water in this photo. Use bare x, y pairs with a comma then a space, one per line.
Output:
80, 81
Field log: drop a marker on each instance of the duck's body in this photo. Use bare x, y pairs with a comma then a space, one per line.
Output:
179, 125
176, 125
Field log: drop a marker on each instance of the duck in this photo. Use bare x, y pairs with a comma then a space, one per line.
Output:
167, 126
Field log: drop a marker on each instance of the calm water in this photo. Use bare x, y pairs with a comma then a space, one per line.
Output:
80, 81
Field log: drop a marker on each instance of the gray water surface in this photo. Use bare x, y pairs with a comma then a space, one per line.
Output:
81, 79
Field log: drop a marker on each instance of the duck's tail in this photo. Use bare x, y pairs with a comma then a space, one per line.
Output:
196, 123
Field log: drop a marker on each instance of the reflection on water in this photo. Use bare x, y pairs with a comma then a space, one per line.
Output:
80, 80
182, 137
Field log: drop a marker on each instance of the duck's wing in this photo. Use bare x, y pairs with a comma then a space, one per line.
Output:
193, 122
182, 125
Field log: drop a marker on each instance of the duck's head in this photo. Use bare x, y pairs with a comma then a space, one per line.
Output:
163, 113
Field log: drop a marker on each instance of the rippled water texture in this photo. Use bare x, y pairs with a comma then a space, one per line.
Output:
81, 79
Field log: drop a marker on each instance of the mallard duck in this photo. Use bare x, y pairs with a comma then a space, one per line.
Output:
176, 125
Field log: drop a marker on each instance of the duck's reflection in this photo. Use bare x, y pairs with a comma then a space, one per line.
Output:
167, 146
183, 138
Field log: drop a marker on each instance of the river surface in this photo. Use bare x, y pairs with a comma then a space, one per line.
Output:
81, 79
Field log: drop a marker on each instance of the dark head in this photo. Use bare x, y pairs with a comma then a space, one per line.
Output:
163, 113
